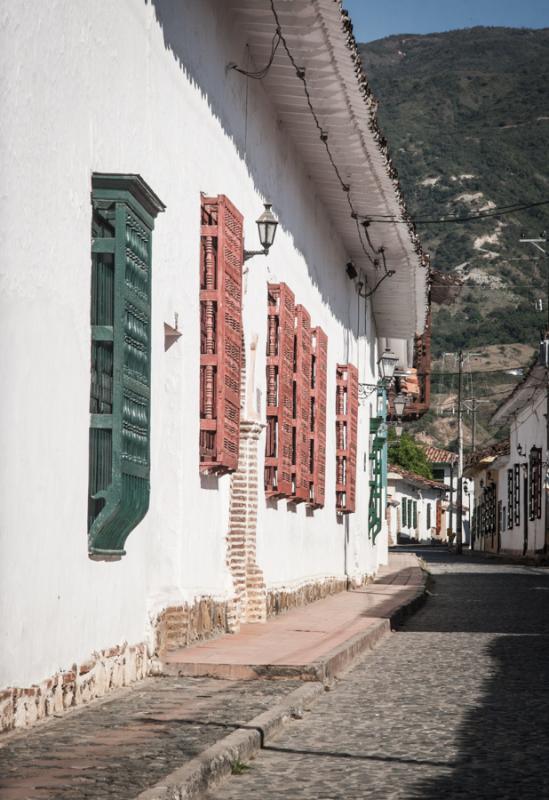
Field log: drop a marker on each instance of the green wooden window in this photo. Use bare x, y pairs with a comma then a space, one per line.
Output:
410, 512
414, 513
123, 213
428, 516
403, 504
378, 437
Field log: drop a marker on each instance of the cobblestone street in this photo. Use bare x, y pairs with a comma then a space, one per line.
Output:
453, 705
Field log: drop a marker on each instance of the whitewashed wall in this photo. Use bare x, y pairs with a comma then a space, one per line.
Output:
399, 490
527, 429
142, 87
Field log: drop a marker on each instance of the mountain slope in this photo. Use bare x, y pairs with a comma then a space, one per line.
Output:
466, 114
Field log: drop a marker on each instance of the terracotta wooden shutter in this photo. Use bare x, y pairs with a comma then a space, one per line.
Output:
221, 258
280, 370
346, 437
319, 379
301, 461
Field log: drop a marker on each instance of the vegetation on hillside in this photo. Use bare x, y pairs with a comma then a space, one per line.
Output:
466, 114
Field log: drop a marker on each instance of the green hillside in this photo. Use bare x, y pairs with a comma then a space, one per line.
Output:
466, 114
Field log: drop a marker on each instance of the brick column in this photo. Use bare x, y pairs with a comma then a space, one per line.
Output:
250, 603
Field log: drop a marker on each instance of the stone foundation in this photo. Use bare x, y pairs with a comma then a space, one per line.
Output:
110, 669
181, 626
280, 600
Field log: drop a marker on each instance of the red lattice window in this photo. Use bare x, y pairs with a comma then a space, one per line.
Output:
319, 379
280, 372
346, 437
221, 258
301, 450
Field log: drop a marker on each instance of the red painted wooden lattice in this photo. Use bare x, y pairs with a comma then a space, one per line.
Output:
346, 437
221, 259
301, 461
280, 369
319, 378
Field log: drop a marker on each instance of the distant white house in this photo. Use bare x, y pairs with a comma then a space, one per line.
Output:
444, 468
414, 507
522, 493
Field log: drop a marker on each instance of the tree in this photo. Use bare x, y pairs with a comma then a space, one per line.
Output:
405, 453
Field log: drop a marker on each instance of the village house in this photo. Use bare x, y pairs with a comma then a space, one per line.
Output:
414, 507
194, 435
521, 514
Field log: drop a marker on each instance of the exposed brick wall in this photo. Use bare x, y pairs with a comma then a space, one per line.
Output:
250, 598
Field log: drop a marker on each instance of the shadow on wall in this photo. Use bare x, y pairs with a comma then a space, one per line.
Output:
200, 37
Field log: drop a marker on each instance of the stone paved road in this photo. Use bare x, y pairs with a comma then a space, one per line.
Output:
116, 749
453, 705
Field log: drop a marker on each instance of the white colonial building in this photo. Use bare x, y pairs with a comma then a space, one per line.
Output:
183, 447
414, 507
520, 471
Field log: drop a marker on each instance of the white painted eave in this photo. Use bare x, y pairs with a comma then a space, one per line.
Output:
522, 396
320, 43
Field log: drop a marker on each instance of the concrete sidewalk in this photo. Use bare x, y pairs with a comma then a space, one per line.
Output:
314, 642
173, 737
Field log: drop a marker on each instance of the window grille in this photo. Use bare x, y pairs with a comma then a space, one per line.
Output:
319, 378
123, 212
301, 421
346, 437
535, 490
428, 516
280, 372
510, 498
221, 259
517, 494
375, 506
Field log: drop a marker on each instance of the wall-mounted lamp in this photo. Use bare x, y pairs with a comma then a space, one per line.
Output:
266, 226
387, 365
398, 430
399, 404
520, 450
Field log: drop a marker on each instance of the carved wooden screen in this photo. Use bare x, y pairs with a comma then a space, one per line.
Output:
221, 258
280, 371
517, 494
319, 380
535, 483
510, 499
124, 209
346, 437
301, 453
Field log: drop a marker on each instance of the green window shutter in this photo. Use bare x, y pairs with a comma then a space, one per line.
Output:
410, 513
404, 515
124, 209
414, 509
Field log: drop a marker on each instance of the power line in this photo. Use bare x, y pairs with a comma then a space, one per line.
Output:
499, 211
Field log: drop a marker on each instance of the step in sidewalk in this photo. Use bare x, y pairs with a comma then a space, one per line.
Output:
314, 642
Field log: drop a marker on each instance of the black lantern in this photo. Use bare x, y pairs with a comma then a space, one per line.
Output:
399, 404
387, 365
266, 226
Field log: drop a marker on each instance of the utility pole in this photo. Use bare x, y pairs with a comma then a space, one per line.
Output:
459, 515
474, 425
544, 360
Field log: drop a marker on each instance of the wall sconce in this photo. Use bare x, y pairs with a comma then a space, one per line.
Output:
387, 365
266, 227
520, 450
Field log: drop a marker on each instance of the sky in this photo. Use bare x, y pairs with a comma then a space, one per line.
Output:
374, 19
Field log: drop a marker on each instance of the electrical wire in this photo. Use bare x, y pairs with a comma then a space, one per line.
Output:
361, 225
499, 211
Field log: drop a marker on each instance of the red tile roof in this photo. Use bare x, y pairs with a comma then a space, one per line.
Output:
413, 477
435, 455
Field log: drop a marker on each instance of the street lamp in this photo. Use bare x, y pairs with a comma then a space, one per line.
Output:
387, 365
399, 404
266, 227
